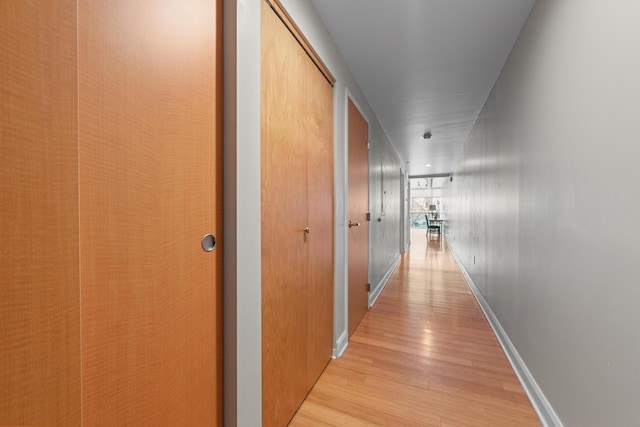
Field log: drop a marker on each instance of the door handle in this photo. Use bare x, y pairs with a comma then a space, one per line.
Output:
208, 242
353, 224
307, 230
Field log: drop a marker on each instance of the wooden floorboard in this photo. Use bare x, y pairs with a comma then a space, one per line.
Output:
424, 355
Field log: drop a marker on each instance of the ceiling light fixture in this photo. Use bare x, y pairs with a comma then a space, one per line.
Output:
429, 165
427, 135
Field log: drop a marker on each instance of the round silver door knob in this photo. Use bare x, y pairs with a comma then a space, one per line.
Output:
208, 242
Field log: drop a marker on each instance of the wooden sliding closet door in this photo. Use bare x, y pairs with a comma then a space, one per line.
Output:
39, 277
149, 192
319, 137
297, 221
284, 218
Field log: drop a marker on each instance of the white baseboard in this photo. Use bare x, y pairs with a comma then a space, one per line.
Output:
543, 408
375, 292
341, 345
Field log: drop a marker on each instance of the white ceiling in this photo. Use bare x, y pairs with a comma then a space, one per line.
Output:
425, 65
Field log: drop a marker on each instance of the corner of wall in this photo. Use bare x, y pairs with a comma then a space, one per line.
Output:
378, 288
341, 345
242, 382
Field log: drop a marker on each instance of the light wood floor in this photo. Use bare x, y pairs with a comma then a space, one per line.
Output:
424, 355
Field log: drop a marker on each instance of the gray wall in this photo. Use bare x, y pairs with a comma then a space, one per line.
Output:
241, 241
545, 197
384, 235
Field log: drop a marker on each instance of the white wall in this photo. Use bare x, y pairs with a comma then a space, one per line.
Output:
241, 204
545, 197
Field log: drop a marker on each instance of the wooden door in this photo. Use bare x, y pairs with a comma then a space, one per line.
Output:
358, 134
319, 137
284, 217
39, 276
149, 190
297, 220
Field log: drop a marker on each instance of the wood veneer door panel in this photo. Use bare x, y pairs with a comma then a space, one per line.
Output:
39, 277
358, 134
319, 136
284, 216
149, 191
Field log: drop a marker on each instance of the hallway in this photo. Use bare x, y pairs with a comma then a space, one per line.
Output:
424, 355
